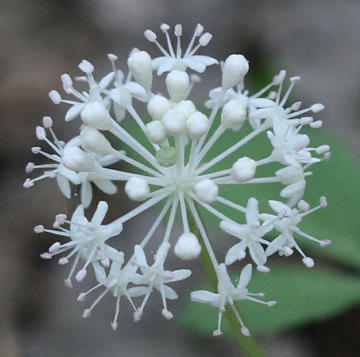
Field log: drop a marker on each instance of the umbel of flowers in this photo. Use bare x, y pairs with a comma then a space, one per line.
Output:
170, 170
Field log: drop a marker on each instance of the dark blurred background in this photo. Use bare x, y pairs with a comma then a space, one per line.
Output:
318, 40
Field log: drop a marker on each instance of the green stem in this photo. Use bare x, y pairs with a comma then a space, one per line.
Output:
247, 344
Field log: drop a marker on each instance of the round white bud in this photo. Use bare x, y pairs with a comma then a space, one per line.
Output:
186, 107
177, 84
206, 190
187, 247
234, 71
156, 132
158, 106
92, 140
174, 122
141, 68
55, 96
197, 125
233, 114
78, 160
95, 115
243, 170
137, 189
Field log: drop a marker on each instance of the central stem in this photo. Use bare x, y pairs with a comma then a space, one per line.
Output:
247, 344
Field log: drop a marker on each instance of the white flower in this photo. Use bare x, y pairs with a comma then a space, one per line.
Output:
176, 59
228, 294
155, 277
287, 226
72, 164
251, 236
116, 282
86, 239
174, 162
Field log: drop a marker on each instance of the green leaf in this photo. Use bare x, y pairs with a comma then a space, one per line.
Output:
303, 296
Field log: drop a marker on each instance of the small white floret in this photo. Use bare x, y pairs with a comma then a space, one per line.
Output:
206, 190
47, 122
137, 189
187, 247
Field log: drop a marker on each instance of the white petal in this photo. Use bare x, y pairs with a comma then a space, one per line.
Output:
278, 206
290, 190
275, 245
112, 229
105, 81
100, 273
86, 193
100, 213
106, 186
252, 212
114, 254
257, 253
74, 111
137, 291
233, 254
206, 60
170, 293
262, 102
162, 253
194, 64
166, 65
232, 228
206, 297
71, 175
140, 256
245, 276
136, 90
64, 185
180, 274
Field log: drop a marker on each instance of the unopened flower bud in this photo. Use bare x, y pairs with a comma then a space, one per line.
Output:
174, 122
95, 115
197, 125
187, 247
166, 156
177, 84
243, 169
158, 106
206, 190
186, 107
233, 114
235, 69
137, 189
93, 141
156, 132
140, 66
78, 160
66, 82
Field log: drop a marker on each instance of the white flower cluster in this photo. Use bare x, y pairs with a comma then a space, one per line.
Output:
173, 169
